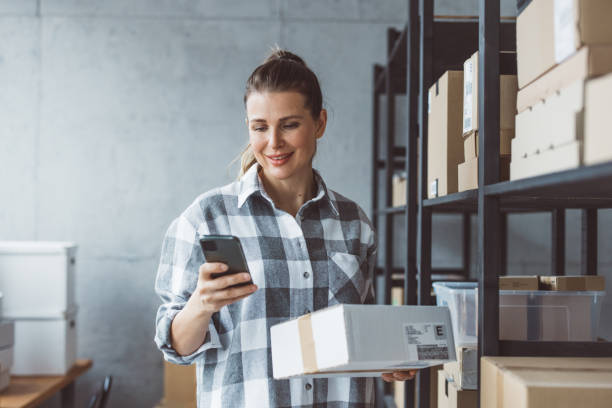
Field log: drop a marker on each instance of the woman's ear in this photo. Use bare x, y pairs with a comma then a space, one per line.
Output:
322, 123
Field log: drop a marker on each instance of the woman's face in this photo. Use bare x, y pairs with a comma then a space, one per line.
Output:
282, 132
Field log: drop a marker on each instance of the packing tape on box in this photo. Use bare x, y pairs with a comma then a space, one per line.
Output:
309, 356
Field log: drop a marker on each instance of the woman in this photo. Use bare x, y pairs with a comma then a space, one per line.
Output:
307, 248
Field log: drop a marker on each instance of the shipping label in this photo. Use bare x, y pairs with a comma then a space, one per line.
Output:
426, 341
468, 94
565, 32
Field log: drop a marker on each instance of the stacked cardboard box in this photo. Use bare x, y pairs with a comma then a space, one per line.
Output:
467, 171
38, 283
561, 44
449, 396
444, 150
545, 382
597, 140
179, 386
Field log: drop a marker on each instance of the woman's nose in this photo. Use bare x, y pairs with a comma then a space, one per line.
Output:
276, 139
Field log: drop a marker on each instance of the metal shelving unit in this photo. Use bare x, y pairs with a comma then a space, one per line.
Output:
417, 55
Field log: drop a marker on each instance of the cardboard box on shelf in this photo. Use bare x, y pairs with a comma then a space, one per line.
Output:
399, 191
451, 397
549, 31
470, 144
444, 149
597, 140
568, 156
573, 283
464, 371
556, 121
338, 341
545, 382
587, 63
507, 91
179, 386
519, 282
468, 172
397, 296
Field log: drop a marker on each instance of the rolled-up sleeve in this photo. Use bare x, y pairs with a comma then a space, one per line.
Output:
369, 269
177, 277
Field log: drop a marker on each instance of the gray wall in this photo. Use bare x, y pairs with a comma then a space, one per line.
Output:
117, 114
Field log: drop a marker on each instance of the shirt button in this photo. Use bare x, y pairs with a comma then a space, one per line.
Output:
308, 386
306, 275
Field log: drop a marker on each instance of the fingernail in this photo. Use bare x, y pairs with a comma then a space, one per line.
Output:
245, 276
224, 267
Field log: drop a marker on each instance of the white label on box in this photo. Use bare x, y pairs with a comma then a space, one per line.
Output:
564, 29
433, 189
426, 341
468, 90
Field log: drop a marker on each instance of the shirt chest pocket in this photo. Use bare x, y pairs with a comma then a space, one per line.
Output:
346, 280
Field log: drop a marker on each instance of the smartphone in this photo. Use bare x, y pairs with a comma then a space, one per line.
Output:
226, 249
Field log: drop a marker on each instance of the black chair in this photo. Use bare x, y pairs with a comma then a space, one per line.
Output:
98, 400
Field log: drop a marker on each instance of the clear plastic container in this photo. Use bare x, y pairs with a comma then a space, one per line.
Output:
460, 297
524, 315
549, 315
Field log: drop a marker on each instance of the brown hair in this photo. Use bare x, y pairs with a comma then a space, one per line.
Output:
282, 71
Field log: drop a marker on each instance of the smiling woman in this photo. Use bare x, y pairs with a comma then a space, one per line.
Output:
295, 232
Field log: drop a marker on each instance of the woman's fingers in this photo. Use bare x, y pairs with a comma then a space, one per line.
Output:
399, 375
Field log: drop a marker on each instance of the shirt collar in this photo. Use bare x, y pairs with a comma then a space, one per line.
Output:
250, 183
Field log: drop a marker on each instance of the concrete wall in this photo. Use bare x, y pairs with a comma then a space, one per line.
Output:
116, 115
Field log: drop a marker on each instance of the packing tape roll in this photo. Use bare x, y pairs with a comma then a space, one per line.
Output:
309, 356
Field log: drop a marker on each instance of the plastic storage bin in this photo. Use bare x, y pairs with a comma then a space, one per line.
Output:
537, 315
460, 297
549, 315
37, 278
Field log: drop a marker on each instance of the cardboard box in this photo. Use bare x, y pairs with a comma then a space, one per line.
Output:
399, 191
470, 144
444, 151
560, 158
507, 103
37, 278
587, 63
573, 283
468, 172
554, 122
549, 31
179, 386
519, 282
545, 382
597, 140
397, 296
451, 397
361, 341
60, 347
464, 371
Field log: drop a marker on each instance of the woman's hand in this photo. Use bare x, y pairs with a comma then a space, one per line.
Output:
211, 294
399, 375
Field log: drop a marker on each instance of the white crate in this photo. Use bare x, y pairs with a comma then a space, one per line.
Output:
36, 277
56, 356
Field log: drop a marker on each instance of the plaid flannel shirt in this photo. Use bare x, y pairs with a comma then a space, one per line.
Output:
323, 256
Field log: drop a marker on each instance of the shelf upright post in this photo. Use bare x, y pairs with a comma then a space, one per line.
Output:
466, 245
589, 242
424, 213
389, 162
375, 144
557, 253
412, 200
489, 218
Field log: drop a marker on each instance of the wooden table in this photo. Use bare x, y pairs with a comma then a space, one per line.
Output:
31, 391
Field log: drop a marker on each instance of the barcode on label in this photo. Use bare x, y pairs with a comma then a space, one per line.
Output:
432, 352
